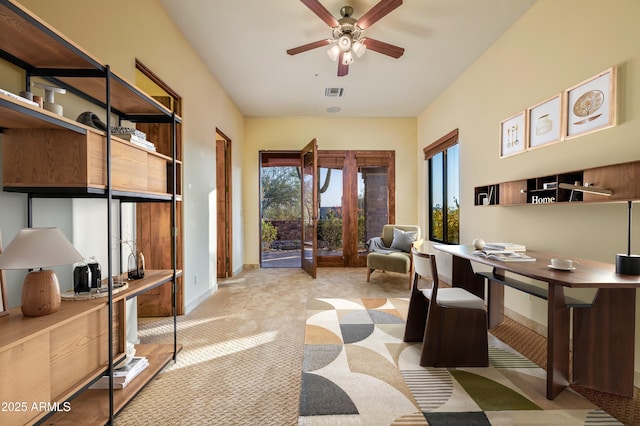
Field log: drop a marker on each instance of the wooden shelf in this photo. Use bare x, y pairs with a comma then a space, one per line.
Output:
33, 44
54, 357
620, 179
63, 162
91, 407
51, 360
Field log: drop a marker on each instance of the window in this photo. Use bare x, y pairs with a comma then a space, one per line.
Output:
444, 189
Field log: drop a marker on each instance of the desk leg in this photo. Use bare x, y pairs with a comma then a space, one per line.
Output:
462, 275
557, 342
495, 304
603, 342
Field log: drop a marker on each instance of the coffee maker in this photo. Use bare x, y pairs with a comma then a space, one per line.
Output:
81, 278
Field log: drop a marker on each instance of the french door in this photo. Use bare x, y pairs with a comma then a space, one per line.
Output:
356, 199
309, 196
345, 198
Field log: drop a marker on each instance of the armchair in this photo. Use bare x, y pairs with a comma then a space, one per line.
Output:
392, 251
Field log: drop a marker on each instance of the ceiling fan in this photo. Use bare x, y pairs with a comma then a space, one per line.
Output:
347, 33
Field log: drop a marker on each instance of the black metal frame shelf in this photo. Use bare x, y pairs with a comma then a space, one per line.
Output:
53, 57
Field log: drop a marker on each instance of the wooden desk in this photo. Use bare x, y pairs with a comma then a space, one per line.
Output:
603, 334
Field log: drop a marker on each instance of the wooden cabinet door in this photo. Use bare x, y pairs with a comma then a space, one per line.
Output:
621, 179
513, 192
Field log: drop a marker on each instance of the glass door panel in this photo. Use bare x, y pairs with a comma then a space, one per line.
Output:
356, 201
330, 201
373, 205
280, 218
309, 159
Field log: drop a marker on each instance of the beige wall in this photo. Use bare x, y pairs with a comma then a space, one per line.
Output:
398, 134
556, 45
119, 31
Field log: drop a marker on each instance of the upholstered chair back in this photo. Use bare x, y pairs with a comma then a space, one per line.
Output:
387, 232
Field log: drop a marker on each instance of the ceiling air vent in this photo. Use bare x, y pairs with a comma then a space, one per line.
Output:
334, 92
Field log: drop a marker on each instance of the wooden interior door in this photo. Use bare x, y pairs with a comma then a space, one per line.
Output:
223, 205
309, 246
153, 234
154, 227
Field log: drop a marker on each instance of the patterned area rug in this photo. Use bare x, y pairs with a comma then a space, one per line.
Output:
358, 371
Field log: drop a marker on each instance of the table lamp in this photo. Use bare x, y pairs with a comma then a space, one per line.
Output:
39, 248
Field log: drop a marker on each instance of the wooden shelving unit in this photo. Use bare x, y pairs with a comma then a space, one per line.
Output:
612, 183
53, 359
56, 356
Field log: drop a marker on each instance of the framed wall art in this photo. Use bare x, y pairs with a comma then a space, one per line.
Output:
546, 124
591, 105
513, 135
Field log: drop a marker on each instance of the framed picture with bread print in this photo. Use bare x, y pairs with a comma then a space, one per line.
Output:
591, 105
545, 122
513, 135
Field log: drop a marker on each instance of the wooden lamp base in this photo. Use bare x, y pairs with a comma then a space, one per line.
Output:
40, 293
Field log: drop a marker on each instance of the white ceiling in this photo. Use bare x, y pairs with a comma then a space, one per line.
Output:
244, 43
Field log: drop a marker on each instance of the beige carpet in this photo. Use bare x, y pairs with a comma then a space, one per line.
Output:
242, 357
243, 347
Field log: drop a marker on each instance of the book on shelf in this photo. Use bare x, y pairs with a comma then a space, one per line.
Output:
504, 255
136, 140
119, 130
18, 98
124, 375
505, 247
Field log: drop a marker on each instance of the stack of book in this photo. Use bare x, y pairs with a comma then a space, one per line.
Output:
505, 247
505, 252
504, 255
18, 98
134, 136
124, 375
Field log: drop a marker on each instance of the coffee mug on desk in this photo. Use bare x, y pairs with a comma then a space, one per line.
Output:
563, 263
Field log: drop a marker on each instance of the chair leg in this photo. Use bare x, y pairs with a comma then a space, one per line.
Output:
416, 314
455, 337
369, 271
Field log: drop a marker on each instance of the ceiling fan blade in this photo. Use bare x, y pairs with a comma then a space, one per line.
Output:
342, 68
322, 12
384, 48
308, 46
377, 12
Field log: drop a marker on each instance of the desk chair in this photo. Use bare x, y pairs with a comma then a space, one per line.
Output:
451, 322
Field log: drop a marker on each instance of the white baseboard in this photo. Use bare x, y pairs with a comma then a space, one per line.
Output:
201, 298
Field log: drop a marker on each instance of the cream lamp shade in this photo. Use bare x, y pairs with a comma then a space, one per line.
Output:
39, 248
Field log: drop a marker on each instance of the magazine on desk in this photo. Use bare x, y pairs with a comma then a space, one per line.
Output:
504, 247
504, 255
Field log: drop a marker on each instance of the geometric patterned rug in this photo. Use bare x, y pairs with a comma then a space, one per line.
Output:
358, 371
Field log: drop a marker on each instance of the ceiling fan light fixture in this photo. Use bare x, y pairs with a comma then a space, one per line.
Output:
347, 58
344, 42
347, 40
334, 52
359, 48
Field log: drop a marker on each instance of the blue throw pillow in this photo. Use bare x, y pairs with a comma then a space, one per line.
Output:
403, 240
